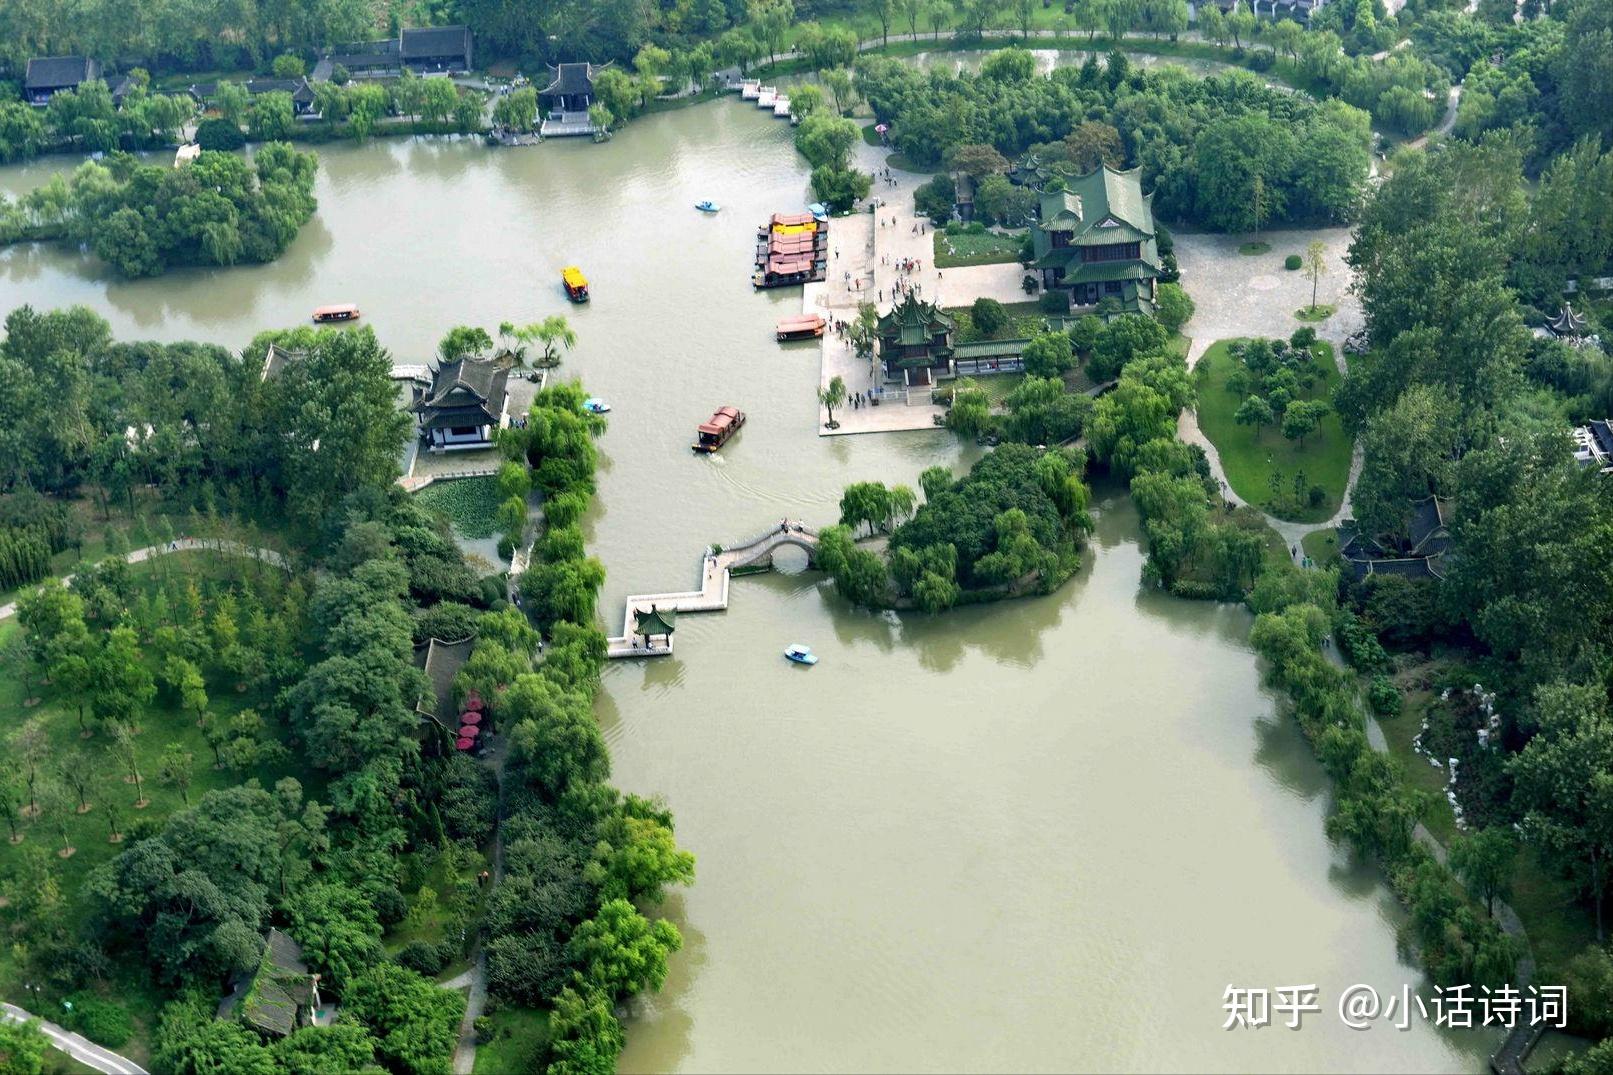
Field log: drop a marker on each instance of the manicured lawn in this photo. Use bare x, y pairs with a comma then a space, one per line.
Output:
519, 1035
1321, 546
1250, 457
1254, 249
955, 247
1315, 314
470, 504
871, 136
1024, 319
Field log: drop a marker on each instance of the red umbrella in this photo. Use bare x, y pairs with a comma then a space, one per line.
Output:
465, 744
469, 731
473, 702
469, 717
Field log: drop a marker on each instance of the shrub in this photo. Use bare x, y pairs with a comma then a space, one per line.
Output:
935, 199
1055, 302
448, 620
219, 134
423, 957
1316, 495
506, 547
1292, 262
1383, 696
988, 316
1261, 61
1028, 284
1303, 339
102, 1021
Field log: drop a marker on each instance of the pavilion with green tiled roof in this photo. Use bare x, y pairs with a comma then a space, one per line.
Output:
915, 342
1094, 237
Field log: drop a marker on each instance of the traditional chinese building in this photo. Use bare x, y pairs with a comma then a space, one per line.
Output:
1419, 553
915, 342
462, 406
1094, 238
420, 49
299, 90
570, 88
1593, 445
279, 995
428, 49
50, 75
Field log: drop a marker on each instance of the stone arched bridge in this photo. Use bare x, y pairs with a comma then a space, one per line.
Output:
716, 571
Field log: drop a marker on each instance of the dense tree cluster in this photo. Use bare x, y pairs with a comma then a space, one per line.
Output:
144, 219
199, 423
562, 927
1014, 524
86, 119
1202, 143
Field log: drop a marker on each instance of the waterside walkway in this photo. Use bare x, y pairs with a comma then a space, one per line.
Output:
716, 568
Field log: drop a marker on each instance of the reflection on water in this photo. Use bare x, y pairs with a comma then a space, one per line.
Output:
1035, 835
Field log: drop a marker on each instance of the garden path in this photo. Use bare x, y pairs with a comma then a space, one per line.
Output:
1238, 294
81, 1049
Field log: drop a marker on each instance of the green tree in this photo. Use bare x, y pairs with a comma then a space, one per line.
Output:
176, 767
1315, 265
1254, 411
865, 504
415, 1023
831, 396
1303, 417
620, 952
1049, 354
1173, 306
1484, 861
988, 316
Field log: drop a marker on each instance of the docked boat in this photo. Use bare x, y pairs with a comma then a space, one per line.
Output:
707, 206
342, 311
800, 327
800, 654
819, 211
576, 284
716, 431
595, 405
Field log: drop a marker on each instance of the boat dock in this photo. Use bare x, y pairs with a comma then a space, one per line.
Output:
716, 570
567, 125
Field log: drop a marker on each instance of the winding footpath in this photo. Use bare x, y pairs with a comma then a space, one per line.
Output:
78, 1047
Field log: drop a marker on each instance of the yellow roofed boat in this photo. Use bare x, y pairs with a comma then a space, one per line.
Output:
575, 282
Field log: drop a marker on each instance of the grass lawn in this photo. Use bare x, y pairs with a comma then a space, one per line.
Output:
1024, 319
471, 504
519, 1035
1321, 546
1251, 457
1254, 249
871, 136
162, 723
956, 247
1315, 314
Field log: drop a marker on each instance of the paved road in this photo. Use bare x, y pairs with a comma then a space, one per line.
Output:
79, 1048
233, 548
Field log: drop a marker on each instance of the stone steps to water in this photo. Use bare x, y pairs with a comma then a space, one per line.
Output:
716, 570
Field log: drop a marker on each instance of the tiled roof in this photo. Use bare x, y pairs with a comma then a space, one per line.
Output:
57, 72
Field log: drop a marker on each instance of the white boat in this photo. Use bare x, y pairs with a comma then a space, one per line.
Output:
766, 96
595, 405
750, 88
800, 653
781, 107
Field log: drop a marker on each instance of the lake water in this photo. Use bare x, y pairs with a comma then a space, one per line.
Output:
1043, 835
